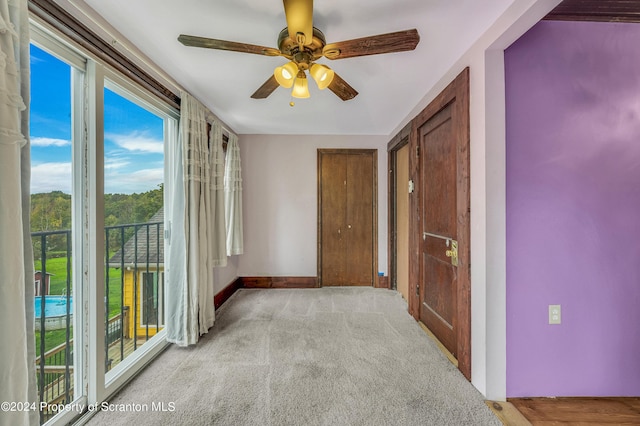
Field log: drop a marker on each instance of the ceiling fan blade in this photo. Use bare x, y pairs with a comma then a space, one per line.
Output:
299, 14
266, 89
212, 43
374, 45
342, 89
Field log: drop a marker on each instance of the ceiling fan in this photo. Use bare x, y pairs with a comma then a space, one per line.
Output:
303, 44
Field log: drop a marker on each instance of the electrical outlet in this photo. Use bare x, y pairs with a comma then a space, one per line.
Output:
555, 314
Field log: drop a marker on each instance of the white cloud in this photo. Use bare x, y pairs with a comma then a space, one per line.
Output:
39, 141
137, 141
47, 177
35, 60
149, 175
138, 181
115, 163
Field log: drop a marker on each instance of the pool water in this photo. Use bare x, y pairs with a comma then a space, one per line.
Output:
54, 306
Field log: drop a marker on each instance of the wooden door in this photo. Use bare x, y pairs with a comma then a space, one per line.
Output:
399, 211
346, 217
402, 222
440, 227
332, 220
438, 281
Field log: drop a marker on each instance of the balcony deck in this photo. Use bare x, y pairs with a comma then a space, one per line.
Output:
54, 392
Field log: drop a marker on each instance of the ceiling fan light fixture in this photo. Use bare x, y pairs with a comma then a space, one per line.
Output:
286, 74
322, 74
301, 87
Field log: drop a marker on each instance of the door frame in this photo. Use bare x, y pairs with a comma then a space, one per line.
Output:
374, 153
457, 91
399, 141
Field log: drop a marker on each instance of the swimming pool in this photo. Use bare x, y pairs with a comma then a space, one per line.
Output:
55, 311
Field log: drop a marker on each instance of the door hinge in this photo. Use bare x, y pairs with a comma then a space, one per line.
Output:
417, 289
418, 151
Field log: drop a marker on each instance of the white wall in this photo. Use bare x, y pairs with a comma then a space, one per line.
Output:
222, 277
280, 201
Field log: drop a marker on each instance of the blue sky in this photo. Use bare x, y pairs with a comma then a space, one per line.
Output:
133, 136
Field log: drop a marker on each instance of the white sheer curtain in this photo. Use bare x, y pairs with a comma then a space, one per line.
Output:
190, 288
233, 197
17, 343
219, 228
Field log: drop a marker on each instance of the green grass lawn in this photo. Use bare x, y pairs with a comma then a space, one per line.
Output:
58, 268
52, 338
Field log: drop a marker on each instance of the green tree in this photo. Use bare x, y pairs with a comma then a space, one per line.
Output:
52, 211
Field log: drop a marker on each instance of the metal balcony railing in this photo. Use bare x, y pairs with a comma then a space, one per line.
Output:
134, 264
54, 368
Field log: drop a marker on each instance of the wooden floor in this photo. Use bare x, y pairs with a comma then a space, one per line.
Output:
507, 413
559, 411
55, 392
114, 351
576, 411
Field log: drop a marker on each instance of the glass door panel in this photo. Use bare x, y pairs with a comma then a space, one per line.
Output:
134, 223
52, 193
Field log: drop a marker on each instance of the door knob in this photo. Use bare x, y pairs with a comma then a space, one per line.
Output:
453, 253
349, 226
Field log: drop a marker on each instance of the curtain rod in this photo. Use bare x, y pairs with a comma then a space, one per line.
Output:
212, 117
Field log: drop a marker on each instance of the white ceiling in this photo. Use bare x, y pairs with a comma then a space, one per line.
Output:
389, 85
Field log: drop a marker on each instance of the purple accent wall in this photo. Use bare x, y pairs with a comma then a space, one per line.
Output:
573, 210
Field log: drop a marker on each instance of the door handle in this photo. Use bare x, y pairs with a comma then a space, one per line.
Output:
453, 253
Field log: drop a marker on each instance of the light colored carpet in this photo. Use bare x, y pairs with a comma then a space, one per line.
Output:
329, 356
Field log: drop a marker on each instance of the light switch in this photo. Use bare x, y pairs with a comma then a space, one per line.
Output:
555, 314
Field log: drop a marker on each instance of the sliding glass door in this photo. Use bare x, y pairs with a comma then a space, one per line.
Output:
57, 75
98, 226
134, 222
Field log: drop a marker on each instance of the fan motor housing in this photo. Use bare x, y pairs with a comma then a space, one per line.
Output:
289, 47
